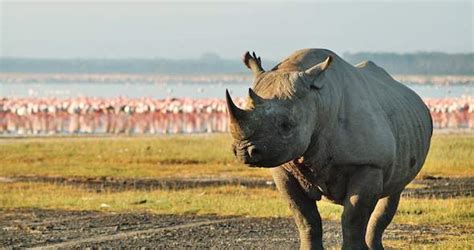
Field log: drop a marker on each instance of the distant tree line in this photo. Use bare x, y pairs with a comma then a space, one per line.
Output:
428, 63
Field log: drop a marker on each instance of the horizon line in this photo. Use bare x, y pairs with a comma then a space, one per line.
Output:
208, 55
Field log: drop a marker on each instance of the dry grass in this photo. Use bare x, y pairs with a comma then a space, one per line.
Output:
226, 200
460, 241
450, 155
165, 156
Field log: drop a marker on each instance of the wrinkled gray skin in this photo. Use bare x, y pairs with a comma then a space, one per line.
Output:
363, 135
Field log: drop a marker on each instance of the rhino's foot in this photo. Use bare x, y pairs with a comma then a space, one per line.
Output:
310, 239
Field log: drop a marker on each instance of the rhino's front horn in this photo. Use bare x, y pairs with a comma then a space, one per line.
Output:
237, 118
256, 99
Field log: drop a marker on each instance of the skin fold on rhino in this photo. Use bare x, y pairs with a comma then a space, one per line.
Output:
327, 128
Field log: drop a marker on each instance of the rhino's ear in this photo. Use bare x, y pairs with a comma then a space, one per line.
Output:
254, 63
311, 75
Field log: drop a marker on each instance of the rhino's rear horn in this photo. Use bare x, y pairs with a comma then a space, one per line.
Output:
256, 99
254, 63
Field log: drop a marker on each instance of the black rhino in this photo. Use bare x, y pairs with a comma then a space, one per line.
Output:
325, 127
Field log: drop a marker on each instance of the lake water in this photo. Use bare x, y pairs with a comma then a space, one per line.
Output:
178, 90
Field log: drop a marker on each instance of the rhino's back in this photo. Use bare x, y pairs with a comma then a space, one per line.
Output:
408, 118
304, 59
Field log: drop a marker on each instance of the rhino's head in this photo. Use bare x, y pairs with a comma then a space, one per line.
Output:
279, 117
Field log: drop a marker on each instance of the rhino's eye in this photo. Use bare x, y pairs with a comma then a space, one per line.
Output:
286, 126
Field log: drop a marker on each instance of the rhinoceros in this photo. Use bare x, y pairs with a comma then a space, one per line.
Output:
327, 128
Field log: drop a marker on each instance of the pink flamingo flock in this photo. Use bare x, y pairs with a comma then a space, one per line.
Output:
452, 112
23, 116
44, 116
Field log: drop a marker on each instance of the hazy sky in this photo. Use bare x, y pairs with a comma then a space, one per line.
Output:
116, 29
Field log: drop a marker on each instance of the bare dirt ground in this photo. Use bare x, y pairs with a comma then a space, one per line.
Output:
67, 229
428, 187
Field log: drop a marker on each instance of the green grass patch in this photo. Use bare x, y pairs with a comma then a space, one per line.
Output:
178, 156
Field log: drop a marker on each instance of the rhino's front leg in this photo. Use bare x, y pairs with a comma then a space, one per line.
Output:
304, 209
363, 189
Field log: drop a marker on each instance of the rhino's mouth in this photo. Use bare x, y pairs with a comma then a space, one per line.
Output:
247, 153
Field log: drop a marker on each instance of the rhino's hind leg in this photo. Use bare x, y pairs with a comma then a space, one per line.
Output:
380, 219
304, 209
363, 190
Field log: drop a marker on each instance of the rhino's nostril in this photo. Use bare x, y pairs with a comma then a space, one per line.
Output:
253, 152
